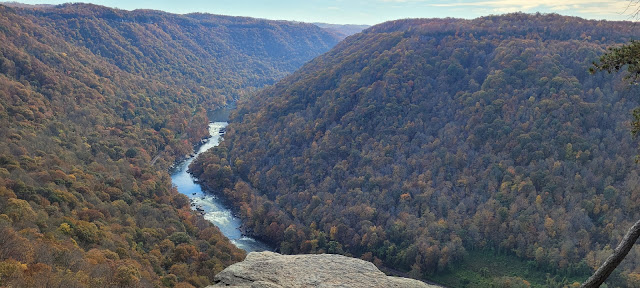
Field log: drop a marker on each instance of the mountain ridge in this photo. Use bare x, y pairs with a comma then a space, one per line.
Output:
342, 30
94, 109
416, 140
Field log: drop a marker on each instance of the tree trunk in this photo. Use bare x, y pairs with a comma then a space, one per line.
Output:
614, 259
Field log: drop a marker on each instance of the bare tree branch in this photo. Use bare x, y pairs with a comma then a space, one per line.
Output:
614, 259
636, 10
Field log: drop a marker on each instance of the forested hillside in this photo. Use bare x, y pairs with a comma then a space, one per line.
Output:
95, 105
417, 142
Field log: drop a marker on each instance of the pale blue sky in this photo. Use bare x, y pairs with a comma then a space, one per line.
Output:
374, 11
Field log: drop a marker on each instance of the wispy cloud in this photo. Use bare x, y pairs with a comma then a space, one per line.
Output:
585, 7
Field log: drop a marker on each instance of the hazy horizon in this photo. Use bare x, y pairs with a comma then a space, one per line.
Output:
375, 11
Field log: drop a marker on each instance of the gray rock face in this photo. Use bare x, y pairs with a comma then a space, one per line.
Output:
272, 270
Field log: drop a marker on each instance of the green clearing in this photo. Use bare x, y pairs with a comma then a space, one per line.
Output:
487, 269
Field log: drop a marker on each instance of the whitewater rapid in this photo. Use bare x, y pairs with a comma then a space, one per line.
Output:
207, 203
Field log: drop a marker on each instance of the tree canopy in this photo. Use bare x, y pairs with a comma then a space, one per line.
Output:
95, 105
417, 141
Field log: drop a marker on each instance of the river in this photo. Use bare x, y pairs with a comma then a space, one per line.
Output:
210, 205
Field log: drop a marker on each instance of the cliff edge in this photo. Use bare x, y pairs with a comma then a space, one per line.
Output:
273, 270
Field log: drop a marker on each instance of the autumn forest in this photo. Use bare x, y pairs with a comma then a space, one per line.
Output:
95, 105
418, 142
426, 146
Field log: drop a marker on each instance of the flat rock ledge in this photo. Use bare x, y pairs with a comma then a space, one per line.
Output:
273, 270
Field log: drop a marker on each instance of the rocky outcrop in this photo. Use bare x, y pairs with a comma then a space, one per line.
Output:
272, 270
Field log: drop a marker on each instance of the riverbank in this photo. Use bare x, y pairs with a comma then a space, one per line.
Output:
209, 205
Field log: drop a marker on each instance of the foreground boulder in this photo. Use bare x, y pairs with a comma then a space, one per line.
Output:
268, 269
